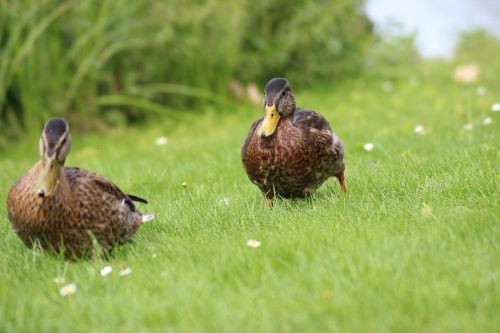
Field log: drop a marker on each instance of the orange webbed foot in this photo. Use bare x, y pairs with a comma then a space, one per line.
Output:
342, 182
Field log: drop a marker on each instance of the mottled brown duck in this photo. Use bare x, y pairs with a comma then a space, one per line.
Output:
291, 151
68, 209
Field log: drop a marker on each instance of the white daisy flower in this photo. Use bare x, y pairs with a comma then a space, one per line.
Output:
125, 271
68, 289
224, 201
495, 107
161, 141
419, 129
105, 271
487, 121
468, 127
481, 91
253, 243
368, 146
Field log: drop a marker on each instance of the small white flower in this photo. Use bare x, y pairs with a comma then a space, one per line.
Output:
487, 121
105, 271
468, 127
67, 290
59, 280
481, 90
161, 141
368, 146
495, 107
224, 201
125, 271
253, 243
419, 129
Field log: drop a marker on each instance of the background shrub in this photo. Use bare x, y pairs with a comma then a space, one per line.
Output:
104, 61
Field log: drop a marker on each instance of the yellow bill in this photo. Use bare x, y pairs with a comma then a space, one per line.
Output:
48, 177
270, 122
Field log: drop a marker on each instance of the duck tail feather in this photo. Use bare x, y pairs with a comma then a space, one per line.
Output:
136, 198
147, 217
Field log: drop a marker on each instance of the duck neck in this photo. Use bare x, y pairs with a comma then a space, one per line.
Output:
291, 113
288, 118
60, 193
62, 185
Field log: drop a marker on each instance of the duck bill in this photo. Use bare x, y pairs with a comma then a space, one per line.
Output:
270, 122
48, 177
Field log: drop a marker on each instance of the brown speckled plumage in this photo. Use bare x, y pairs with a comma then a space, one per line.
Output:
83, 209
299, 156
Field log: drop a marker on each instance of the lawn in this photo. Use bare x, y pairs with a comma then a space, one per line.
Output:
413, 246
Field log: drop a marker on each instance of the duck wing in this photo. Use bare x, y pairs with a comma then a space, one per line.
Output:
308, 119
251, 132
74, 175
318, 129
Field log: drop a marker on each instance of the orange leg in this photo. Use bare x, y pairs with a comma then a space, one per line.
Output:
342, 182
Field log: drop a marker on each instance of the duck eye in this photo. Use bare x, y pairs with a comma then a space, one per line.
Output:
283, 93
65, 140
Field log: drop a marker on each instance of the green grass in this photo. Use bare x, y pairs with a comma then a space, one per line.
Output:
412, 247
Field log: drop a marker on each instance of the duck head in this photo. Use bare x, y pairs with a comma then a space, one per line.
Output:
54, 146
278, 103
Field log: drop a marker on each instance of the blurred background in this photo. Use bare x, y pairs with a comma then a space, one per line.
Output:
108, 63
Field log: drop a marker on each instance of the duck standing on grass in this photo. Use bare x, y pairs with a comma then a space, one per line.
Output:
291, 151
69, 210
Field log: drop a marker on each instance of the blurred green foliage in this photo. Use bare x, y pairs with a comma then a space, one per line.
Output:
122, 61
305, 40
479, 47
393, 58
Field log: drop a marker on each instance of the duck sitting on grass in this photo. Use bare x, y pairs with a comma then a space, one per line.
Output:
291, 151
68, 209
